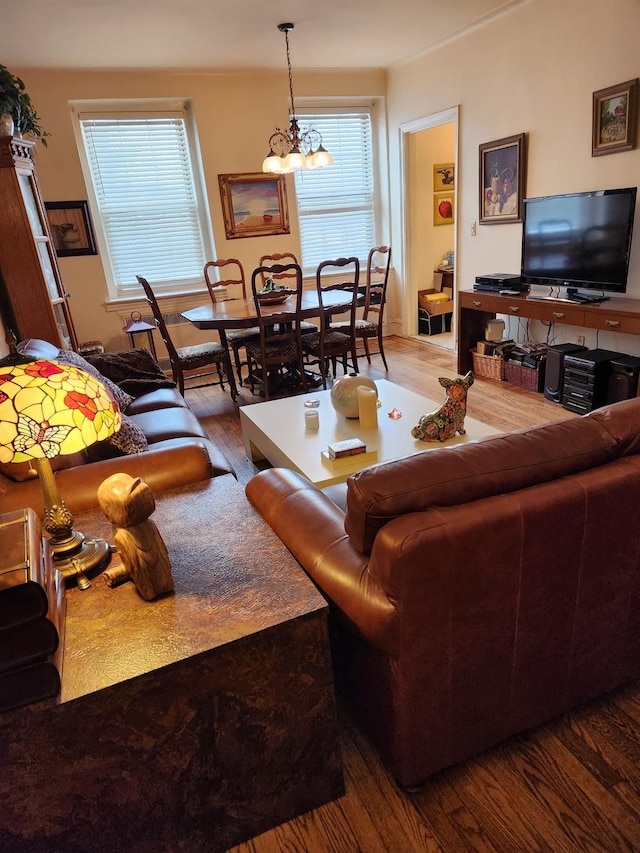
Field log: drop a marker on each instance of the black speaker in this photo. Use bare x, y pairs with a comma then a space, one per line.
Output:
554, 374
623, 381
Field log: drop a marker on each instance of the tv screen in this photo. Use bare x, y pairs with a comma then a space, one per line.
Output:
579, 240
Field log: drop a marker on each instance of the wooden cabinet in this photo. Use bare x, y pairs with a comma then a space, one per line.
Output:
33, 300
618, 314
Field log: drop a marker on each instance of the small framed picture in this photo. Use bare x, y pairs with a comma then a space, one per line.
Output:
254, 205
615, 119
444, 177
70, 227
502, 176
443, 213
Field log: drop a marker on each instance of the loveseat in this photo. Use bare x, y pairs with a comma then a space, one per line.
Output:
161, 439
477, 590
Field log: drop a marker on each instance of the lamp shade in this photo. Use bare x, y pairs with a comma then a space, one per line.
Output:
49, 409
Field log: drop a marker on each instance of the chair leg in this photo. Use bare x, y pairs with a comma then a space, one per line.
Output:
384, 360
365, 344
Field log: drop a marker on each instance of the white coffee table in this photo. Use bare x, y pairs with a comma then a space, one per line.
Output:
275, 431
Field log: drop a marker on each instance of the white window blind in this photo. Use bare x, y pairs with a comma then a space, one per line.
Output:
143, 181
336, 204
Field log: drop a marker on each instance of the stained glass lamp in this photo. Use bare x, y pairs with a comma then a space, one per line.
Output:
49, 409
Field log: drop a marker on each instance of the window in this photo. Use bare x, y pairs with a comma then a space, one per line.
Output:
147, 201
336, 205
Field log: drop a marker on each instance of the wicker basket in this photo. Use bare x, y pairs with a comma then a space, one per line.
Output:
531, 378
488, 366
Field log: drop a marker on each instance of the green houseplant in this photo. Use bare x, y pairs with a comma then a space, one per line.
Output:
15, 101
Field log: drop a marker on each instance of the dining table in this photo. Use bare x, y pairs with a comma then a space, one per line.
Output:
236, 313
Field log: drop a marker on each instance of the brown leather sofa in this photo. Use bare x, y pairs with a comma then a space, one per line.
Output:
178, 453
477, 590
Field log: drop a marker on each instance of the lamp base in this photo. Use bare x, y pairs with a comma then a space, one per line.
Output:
89, 558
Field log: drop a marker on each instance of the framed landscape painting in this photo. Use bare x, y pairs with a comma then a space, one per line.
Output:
615, 118
254, 205
502, 175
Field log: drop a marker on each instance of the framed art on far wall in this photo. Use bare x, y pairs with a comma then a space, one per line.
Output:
443, 208
70, 226
615, 118
502, 179
254, 205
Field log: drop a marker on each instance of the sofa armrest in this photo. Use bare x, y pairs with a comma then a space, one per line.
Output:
168, 464
312, 528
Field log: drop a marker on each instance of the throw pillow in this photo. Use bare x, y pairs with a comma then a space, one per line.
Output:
128, 440
135, 371
68, 357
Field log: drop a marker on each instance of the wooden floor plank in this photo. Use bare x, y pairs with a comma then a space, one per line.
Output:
570, 786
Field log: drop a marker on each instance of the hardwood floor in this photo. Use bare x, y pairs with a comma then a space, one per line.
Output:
571, 785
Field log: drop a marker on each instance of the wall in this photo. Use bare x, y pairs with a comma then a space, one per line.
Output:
235, 115
532, 70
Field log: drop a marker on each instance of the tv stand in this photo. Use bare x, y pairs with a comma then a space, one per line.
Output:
573, 295
620, 314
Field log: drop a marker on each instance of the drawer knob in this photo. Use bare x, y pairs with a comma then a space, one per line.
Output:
613, 323
514, 308
477, 303
558, 315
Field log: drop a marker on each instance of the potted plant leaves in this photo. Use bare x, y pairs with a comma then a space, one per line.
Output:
16, 103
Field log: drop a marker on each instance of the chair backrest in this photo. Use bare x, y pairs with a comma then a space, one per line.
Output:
285, 316
231, 278
348, 269
279, 258
174, 358
378, 264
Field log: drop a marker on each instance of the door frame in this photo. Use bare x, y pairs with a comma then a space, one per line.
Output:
409, 313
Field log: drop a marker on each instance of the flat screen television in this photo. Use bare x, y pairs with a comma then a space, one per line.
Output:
579, 240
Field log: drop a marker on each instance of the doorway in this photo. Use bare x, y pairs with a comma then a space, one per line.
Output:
429, 151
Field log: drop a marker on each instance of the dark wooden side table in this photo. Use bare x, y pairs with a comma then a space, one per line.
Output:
193, 722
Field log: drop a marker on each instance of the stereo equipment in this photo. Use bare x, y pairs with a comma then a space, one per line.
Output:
623, 381
586, 379
554, 373
495, 282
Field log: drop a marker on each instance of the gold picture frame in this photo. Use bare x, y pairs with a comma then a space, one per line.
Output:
70, 226
254, 205
444, 208
502, 180
444, 177
615, 119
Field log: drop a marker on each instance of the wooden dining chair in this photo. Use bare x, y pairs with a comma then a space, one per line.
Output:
330, 344
283, 280
226, 280
375, 296
277, 357
186, 360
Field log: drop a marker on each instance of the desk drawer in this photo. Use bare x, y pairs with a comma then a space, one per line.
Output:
612, 322
520, 306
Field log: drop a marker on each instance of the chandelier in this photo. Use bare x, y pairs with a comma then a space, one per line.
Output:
294, 149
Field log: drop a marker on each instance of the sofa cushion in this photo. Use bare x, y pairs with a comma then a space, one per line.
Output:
152, 401
168, 423
500, 464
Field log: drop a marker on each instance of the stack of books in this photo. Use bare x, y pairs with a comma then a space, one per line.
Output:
495, 347
32, 606
348, 452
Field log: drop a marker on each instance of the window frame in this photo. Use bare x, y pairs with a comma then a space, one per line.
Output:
147, 108
375, 110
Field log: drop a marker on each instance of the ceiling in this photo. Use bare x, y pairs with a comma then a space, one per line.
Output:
225, 34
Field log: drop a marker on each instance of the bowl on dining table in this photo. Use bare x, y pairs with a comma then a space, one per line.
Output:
273, 297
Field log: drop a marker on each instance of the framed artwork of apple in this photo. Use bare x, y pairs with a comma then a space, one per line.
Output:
502, 178
443, 210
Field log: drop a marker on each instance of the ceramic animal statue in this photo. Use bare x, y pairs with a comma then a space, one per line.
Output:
447, 419
128, 502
